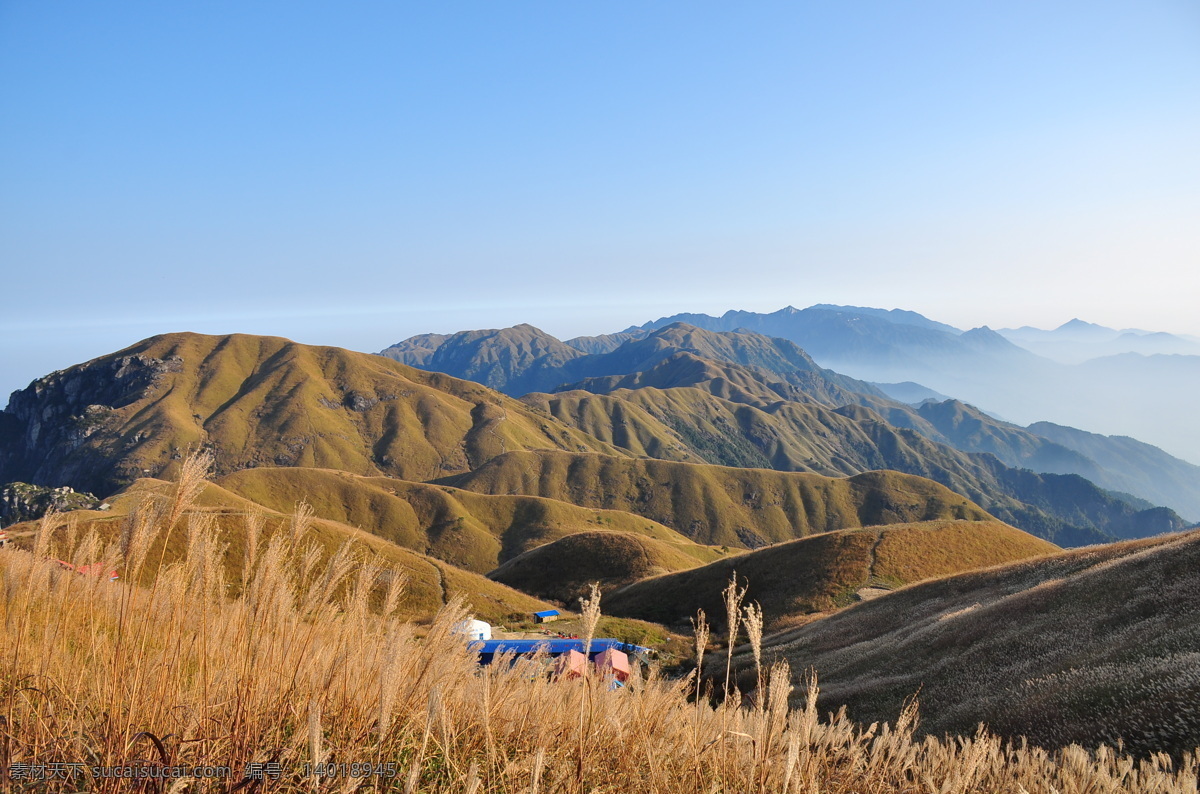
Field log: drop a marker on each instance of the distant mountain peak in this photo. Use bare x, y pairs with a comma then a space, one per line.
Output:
1076, 324
894, 316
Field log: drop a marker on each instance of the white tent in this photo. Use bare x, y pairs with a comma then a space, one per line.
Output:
473, 630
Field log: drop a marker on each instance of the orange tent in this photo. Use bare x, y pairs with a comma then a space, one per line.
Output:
571, 664
610, 660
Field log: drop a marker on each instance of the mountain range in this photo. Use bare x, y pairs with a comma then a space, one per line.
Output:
880, 536
1142, 392
744, 399
1077, 341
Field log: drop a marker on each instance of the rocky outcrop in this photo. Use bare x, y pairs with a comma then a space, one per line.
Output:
20, 501
46, 423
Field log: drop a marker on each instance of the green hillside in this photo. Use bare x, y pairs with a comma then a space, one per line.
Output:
511, 360
715, 505
746, 367
260, 401
563, 570
693, 424
826, 571
524, 359
1127, 464
476, 532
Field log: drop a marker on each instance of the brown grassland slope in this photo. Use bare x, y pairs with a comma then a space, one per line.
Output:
564, 569
258, 400
473, 531
308, 664
685, 369
429, 583
823, 572
714, 505
688, 422
1087, 646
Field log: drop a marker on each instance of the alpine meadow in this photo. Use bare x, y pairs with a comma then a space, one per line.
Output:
495, 399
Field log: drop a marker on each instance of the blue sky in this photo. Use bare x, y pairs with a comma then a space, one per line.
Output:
352, 174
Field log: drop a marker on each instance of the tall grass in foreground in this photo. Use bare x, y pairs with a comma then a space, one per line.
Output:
308, 666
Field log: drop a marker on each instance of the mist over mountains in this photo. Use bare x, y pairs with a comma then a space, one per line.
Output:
679, 391
1110, 382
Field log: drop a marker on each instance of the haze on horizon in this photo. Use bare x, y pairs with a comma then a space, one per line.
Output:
355, 176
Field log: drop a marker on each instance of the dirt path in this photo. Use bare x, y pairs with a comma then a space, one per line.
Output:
868, 591
441, 579
873, 558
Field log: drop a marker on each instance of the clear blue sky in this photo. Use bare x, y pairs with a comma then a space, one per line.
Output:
354, 173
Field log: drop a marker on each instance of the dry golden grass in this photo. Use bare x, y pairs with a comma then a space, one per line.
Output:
823, 572
1090, 646
309, 665
474, 531
431, 582
563, 570
716, 505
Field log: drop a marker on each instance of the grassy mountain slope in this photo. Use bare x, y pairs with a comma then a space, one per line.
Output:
715, 505
1130, 394
721, 355
682, 369
619, 421
416, 350
431, 582
761, 354
473, 531
824, 571
604, 343
967, 428
1127, 464
260, 401
1087, 646
524, 359
512, 360
563, 570
683, 423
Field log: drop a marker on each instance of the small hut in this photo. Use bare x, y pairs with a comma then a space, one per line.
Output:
546, 616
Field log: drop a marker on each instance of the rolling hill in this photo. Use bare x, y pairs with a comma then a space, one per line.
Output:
1088, 646
265, 402
430, 582
691, 424
258, 401
826, 571
473, 531
1135, 394
1133, 466
716, 505
563, 570
511, 360
749, 368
